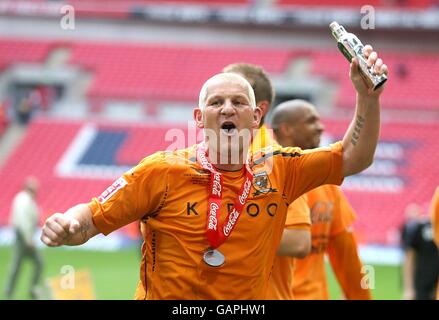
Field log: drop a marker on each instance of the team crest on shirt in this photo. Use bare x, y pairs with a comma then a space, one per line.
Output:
262, 184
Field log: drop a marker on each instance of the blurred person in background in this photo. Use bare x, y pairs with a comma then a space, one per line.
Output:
297, 123
24, 220
421, 257
412, 215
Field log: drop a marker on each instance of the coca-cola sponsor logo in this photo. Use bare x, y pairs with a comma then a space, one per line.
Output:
245, 192
216, 185
234, 215
204, 161
213, 222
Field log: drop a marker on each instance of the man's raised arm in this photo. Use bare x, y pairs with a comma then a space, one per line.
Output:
361, 138
72, 228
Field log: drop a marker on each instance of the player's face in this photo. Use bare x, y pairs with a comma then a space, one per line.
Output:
228, 108
228, 113
228, 117
308, 131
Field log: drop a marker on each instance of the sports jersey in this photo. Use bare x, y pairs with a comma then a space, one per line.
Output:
281, 279
170, 191
331, 216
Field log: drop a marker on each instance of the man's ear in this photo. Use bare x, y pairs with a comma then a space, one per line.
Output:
257, 116
265, 107
198, 117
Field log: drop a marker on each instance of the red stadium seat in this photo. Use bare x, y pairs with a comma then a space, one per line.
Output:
156, 72
163, 72
15, 51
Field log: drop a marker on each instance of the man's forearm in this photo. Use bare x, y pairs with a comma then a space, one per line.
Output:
347, 266
295, 243
87, 229
408, 274
361, 139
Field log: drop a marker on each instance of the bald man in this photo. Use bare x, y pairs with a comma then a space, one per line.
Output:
297, 123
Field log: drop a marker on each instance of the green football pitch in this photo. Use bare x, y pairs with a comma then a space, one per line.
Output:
115, 274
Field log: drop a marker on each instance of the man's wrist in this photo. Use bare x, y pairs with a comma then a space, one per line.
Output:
368, 99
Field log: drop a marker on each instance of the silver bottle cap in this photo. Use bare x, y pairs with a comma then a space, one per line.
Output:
337, 30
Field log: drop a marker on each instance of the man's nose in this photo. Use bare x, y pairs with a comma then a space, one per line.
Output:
320, 127
228, 108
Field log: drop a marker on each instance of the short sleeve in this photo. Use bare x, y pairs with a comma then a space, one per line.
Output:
138, 193
313, 168
344, 214
298, 213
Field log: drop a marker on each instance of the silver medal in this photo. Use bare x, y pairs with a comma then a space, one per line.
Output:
213, 258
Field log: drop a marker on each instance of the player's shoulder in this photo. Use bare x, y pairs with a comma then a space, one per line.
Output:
296, 151
276, 150
272, 152
22, 197
288, 151
336, 147
168, 160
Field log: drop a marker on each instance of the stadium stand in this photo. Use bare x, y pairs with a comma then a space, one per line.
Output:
46, 143
125, 4
175, 72
15, 51
111, 9
409, 173
405, 91
162, 72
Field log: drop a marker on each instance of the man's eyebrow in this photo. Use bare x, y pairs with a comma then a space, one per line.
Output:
215, 96
239, 95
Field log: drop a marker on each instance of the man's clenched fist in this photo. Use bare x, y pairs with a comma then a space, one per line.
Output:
59, 230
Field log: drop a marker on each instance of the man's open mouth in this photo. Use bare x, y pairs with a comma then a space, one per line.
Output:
228, 128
